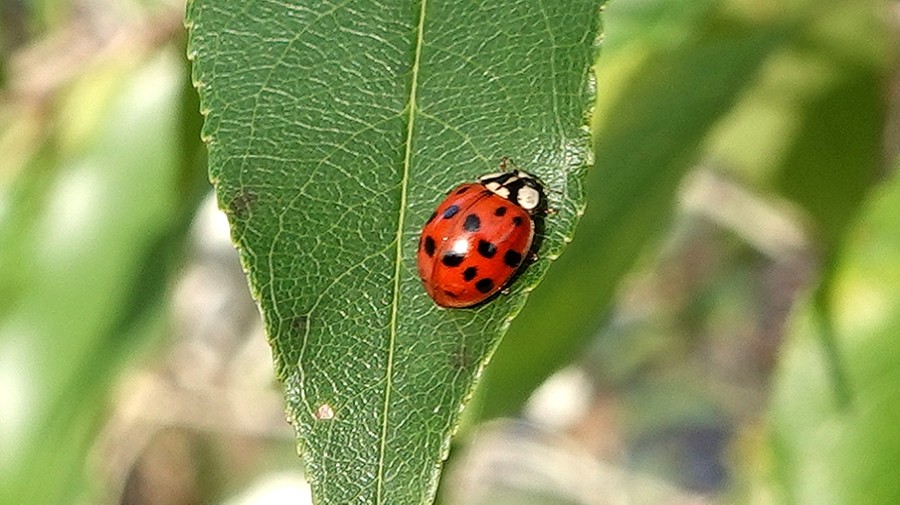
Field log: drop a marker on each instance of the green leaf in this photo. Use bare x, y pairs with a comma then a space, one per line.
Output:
656, 107
836, 154
827, 450
334, 130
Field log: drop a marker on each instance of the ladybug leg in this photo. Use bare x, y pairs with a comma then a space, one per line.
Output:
505, 291
549, 211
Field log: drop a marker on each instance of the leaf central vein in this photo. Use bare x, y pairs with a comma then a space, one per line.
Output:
398, 261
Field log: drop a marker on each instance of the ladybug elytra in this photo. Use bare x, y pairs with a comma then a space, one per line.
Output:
479, 237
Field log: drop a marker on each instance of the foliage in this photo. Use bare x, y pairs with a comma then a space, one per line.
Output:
742, 177
329, 161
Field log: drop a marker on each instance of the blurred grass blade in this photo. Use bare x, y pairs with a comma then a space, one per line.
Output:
334, 130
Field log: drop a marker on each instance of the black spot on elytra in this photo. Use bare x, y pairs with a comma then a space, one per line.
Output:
486, 249
470, 273
484, 285
472, 223
462, 190
433, 215
429, 246
452, 259
501, 211
512, 258
517, 221
451, 211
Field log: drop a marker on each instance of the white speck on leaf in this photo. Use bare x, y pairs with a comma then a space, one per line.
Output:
324, 412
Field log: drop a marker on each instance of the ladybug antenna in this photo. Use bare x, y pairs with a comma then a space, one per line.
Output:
506, 163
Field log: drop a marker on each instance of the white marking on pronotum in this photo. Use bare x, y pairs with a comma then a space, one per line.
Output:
490, 176
528, 198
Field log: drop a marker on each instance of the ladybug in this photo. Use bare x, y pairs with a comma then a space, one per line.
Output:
477, 239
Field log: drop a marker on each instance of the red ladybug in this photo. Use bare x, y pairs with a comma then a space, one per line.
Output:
478, 237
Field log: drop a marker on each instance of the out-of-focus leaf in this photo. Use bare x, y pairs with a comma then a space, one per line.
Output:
649, 124
653, 24
826, 450
87, 273
836, 154
334, 130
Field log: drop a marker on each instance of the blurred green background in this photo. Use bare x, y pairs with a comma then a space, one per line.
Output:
723, 329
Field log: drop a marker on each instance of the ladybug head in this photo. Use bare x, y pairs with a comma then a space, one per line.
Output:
521, 188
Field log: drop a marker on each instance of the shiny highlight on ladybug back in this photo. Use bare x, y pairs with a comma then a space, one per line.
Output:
479, 237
